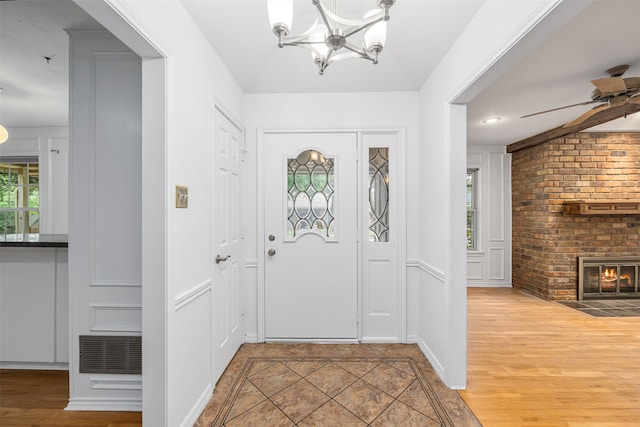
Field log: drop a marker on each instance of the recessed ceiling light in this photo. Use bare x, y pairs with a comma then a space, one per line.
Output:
491, 120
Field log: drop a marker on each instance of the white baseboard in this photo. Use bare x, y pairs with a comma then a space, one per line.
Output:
105, 404
251, 338
435, 363
378, 340
197, 409
35, 366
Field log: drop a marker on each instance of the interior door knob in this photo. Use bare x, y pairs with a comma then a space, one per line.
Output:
271, 252
221, 258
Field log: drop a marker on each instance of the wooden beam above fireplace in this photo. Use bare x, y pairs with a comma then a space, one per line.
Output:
602, 207
560, 131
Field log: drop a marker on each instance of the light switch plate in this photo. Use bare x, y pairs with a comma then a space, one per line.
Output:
182, 196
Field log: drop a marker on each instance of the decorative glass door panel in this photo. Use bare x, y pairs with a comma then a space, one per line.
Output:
310, 195
378, 194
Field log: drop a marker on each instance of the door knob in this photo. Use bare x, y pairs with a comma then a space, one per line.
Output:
271, 252
221, 258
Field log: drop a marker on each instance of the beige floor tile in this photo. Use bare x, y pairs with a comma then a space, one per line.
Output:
265, 414
415, 397
364, 400
331, 379
332, 414
299, 400
389, 379
248, 397
277, 377
399, 414
359, 368
305, 368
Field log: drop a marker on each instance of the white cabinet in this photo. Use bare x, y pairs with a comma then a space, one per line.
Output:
33, 305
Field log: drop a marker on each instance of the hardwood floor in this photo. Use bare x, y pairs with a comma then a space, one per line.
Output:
531, 363
537, 363
38, 398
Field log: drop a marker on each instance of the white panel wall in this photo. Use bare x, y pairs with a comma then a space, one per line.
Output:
180, 88
490, 264
494, 30
51, 145
106, 210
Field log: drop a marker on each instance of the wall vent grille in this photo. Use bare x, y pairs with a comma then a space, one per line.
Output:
110, 354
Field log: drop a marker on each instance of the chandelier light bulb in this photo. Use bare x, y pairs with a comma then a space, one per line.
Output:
280, 17
376, 36
4, 135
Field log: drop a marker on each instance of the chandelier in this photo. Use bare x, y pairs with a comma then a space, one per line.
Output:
329, 33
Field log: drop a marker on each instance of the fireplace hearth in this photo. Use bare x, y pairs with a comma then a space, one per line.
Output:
608, 277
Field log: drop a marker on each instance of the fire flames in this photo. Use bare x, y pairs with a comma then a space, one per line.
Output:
611, 275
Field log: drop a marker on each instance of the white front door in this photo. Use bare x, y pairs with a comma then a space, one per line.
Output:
227, 243
311, 251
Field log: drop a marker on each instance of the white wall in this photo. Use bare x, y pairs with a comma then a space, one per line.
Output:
105, 214
490, 263
353, 111
497, 27
51, 145
192, 77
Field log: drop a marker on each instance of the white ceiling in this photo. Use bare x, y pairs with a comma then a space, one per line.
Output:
557, 73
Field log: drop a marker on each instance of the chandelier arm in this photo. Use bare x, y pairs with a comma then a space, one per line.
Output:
346, 55
322, 13
360, 52
353, 30
352, 22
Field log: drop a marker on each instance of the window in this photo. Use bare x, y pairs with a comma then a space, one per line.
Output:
19, 195
472, 228
378, 194
310, 195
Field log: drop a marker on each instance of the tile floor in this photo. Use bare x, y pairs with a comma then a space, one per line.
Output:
607, 308
333, 385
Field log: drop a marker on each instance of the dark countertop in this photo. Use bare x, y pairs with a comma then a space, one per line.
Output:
34, 241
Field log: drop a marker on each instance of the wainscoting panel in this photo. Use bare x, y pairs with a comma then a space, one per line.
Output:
116, 318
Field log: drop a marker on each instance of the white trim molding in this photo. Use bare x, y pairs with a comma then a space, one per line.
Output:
116, 382
114, 312
429, 269
106, 404
186, 298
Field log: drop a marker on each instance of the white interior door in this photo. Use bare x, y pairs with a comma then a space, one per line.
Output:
227, 243
311, 251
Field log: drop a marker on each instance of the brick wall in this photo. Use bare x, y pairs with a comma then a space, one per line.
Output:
546, 242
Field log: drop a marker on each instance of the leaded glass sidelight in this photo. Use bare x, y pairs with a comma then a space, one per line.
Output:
378, 194
310, 195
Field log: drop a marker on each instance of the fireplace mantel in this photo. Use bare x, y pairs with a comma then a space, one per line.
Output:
602, 207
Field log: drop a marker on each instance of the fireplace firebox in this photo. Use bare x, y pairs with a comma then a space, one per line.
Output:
608, 277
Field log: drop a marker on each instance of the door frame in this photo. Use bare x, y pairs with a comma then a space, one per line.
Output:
400, 133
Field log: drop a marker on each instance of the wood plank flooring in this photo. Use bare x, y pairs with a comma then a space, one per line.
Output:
537, 363
531, 363
38, 398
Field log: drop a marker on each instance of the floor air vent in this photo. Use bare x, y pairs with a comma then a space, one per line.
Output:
110, 354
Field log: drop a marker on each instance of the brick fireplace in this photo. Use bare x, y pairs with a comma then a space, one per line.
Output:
549, 233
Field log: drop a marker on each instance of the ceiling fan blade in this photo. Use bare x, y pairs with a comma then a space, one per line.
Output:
610, 85
585, 116
559, 108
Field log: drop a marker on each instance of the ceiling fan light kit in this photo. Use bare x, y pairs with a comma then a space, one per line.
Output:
330, 33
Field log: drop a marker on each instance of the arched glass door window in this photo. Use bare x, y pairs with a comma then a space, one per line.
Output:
310, 195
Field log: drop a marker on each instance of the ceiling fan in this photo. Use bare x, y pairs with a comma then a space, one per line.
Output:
610, 92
